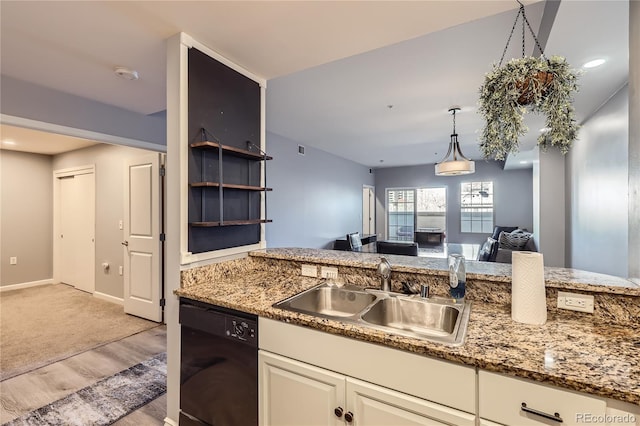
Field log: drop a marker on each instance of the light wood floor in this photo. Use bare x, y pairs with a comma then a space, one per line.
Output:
40, 387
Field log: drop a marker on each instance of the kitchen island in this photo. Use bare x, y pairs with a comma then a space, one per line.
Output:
595, 354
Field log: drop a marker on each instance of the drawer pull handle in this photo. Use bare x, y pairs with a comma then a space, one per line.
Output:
555, 416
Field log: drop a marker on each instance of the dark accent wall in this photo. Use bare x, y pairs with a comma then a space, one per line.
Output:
227, 105
513, 195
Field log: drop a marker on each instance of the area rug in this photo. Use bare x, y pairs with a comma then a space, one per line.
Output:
106, 401
45, 324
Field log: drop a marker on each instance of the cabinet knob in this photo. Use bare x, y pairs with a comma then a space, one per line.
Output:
348, 417
338, 412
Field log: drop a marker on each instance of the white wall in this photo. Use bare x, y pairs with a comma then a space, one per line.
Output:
316, 198
598, 166
109, 177
26, 217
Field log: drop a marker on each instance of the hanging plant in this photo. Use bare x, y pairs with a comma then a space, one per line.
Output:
523, 85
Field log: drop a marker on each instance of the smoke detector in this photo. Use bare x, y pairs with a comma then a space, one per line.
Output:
126, 73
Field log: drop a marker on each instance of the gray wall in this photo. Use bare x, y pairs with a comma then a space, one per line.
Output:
513, 195
26, 217
316, 198
598, 171
109, 161
549, 204
34, 102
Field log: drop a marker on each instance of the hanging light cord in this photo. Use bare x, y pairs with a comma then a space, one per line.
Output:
454, 121
524, 20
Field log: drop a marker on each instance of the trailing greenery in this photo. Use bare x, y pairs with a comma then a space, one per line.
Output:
500, 104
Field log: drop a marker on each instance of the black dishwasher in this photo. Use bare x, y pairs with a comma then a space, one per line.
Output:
218, 366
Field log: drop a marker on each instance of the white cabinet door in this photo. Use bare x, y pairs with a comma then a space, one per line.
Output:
373, 405
293, 393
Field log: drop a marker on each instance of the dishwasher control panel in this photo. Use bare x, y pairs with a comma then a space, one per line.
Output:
241, 329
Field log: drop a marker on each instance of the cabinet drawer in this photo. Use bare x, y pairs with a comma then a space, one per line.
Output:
501, 400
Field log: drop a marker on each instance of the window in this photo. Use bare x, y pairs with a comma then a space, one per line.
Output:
410, 208
400, 214
476, 207
431, 208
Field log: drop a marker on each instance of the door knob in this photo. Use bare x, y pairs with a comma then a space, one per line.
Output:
125, 243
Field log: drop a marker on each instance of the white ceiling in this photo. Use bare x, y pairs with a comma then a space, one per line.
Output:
28, 140
323, 91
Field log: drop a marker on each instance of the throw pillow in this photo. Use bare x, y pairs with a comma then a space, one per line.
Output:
514, 240
488, 250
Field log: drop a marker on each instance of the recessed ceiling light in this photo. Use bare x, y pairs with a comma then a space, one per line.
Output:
594, 63
545, 129
126, 73
523, 162
8, 142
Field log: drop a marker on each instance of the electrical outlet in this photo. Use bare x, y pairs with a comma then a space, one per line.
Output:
120, 224
309, 271
120, 270
13, 260
328, 272
575, 302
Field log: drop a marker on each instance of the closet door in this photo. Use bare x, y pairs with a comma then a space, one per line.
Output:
77, 228
68, 233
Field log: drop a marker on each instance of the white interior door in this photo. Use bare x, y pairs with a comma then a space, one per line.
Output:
67, 232
85, 238
142, 277
368, 210
77, 231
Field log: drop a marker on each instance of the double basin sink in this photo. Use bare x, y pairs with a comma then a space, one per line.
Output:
438, 320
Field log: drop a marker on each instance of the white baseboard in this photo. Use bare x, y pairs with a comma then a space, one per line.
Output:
170, 422
26, 285
108, 298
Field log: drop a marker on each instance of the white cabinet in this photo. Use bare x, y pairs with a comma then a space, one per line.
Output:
375, 405
295, 393
512, 401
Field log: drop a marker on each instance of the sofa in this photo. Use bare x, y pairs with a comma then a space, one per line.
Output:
397, 247
503, 242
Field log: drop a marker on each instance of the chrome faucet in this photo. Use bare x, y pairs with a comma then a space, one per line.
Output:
384, 270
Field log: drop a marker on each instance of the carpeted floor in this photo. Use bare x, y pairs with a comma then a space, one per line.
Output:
44, 324
106, 401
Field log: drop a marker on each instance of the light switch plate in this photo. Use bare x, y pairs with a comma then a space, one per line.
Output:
575, 302
309, 271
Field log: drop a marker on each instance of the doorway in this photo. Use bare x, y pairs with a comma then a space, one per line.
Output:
74, 227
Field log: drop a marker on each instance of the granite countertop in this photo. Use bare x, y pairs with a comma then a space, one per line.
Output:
599, 359
563, 278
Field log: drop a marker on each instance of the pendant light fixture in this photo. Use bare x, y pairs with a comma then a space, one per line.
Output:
458, 164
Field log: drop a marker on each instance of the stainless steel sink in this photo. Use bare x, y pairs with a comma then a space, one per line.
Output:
329, 301
438, 320
414, 315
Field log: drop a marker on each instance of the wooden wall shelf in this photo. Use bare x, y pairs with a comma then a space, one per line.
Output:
229, 185
230, 223
238, 152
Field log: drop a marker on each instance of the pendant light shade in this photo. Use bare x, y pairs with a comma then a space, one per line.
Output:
455, 163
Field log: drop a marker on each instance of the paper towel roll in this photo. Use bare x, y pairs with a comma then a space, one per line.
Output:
528, 296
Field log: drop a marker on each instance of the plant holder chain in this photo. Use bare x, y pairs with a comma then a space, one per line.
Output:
524, 20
